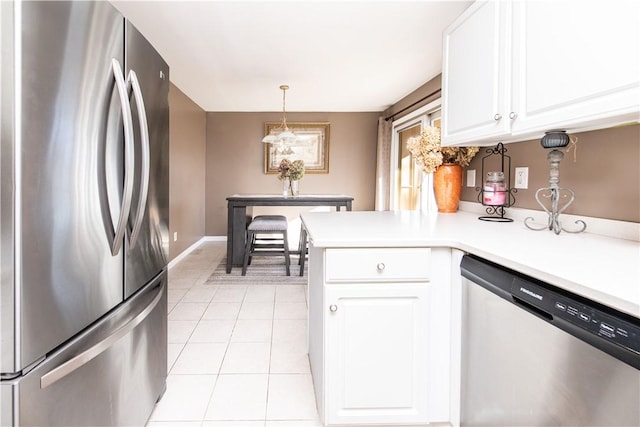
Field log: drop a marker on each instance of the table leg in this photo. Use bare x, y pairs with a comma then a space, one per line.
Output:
239, 216
230, 236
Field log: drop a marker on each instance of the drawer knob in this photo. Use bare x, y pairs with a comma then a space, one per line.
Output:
380, 266
333, 308
497, 117
513, 115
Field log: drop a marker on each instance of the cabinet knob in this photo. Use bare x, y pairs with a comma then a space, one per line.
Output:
497, 117
512, 115
333, 308
380, 266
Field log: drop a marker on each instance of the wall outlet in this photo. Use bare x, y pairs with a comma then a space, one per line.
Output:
471, 178
175, 236
522, 178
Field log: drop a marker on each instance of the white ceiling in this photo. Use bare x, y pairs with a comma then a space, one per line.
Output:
334, 55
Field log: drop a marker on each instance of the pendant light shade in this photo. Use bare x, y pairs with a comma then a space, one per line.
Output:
282, 135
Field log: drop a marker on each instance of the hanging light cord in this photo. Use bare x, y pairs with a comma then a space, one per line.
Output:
284, 117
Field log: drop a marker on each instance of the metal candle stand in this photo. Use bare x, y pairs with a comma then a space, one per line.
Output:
553, 140
510, 199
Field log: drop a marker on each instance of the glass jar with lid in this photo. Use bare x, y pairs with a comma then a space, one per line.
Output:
495, 189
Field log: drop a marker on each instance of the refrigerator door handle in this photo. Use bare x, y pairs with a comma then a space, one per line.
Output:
86, 356
144, 175
128, 157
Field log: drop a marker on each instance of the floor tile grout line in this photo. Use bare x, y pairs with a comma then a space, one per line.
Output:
170, 369
223, 357
188, 338
266, 406
229, 341
210, 397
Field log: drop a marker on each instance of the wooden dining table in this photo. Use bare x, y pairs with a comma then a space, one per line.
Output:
240, 213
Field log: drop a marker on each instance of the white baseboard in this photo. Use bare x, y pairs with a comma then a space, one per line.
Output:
604, 227
214, 239
190, 249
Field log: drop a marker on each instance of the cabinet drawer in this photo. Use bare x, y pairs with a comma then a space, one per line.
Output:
377, 265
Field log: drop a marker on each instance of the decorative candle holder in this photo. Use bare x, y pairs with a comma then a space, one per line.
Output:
553, 140
496, 194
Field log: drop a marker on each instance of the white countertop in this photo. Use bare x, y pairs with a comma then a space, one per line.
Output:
600, 268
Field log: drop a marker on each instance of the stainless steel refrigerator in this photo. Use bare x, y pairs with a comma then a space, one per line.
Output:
84, 216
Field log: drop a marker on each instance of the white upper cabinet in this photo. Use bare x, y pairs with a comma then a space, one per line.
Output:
475, 74
535, 66
575, 65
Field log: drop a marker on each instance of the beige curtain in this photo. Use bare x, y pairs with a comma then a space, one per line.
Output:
383, 165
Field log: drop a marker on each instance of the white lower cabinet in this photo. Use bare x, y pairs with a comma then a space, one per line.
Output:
379, 340
376, 353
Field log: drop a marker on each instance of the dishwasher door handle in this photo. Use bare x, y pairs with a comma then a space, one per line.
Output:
532, 308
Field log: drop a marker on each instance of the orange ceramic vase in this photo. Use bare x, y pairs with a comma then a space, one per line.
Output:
447, 186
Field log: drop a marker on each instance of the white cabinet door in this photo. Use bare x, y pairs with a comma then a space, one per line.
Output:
376, 353
576, 67
475, 74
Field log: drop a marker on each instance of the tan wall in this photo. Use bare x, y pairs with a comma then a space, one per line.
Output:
605, 178
187, 122
235, 160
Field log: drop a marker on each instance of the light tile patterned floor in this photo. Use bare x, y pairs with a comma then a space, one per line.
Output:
237, 354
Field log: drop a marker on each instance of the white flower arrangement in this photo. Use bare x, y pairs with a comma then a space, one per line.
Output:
429, 153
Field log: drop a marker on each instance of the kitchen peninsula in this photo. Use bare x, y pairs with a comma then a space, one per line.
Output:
384, 290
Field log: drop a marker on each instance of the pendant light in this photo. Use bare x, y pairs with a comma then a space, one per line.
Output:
282, 135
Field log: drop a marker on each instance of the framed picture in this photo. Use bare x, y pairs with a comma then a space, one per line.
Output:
314, 151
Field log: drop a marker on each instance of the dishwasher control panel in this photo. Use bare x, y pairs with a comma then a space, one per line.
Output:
586, 317
598, 322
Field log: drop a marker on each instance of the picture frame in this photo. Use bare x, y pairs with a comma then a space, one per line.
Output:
314, 152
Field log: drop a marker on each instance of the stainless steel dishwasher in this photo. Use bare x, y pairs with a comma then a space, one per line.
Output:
536, 355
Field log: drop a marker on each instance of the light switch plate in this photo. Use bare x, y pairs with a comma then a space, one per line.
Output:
522, 178
471, 178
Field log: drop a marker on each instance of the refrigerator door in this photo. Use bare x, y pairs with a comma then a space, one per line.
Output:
7, 187
148, 227
67, 152
110, 375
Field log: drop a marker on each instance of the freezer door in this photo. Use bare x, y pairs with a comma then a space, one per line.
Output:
110, 375
67, 154
148, 227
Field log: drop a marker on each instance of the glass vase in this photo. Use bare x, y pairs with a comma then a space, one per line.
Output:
428, 203
295, 187
290, 188
286, 187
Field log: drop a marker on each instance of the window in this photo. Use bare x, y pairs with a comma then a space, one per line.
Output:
406, 176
